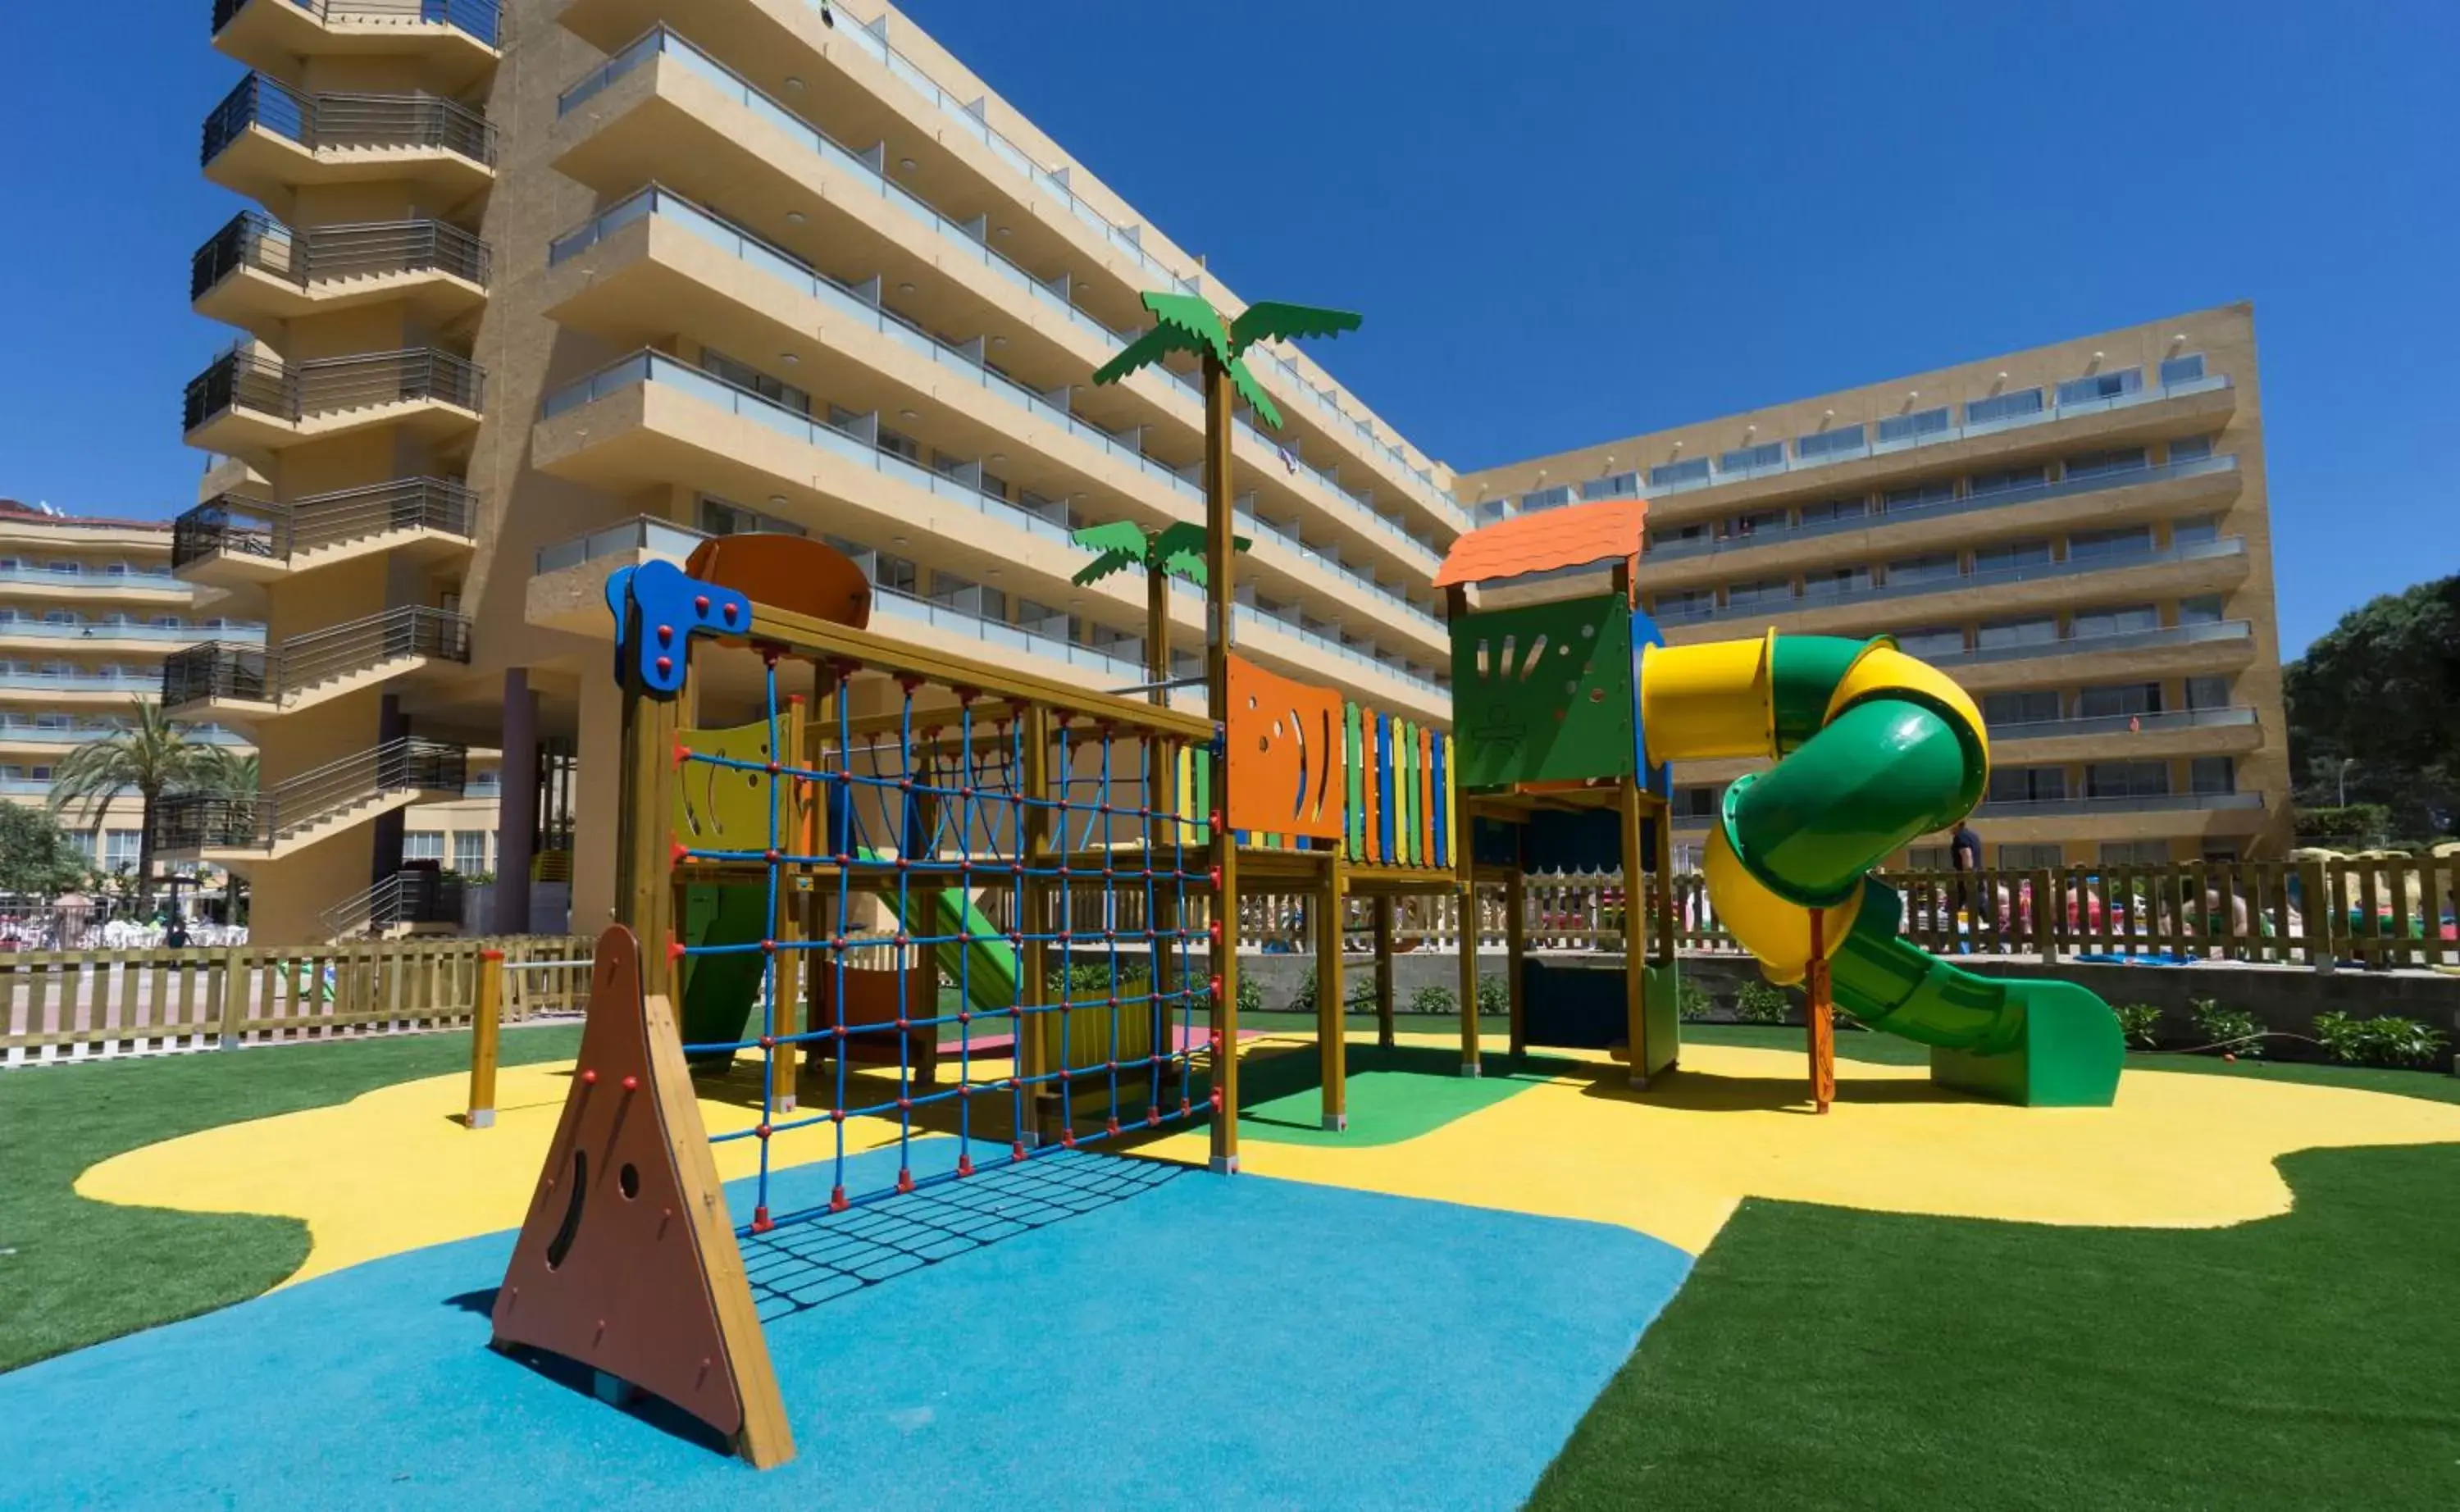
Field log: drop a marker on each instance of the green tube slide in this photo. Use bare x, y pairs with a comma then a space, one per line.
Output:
1848, 790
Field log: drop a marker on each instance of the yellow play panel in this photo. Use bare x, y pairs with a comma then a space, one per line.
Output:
395, 1169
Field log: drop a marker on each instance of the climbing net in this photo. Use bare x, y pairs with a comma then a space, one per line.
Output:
1006, 886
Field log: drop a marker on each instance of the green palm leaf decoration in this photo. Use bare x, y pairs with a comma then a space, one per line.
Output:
1272, 320
1193, 315
1121, 544
1188, 323
1146, 350
1178, 551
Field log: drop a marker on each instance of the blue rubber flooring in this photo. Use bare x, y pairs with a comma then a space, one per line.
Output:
1083, 1329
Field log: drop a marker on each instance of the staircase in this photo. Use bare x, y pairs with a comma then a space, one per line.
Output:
228, 680
419, 900
312, 806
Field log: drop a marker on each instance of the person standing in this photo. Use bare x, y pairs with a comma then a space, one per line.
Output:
1964, 857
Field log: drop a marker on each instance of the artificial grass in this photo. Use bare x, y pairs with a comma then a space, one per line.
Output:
74, 1272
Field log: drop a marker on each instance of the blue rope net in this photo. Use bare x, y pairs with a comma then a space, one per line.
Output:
928, 814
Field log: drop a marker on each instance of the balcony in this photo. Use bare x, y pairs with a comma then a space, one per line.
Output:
17, 730
675, 128
1702, 546
2177, 733
2227, 557
611, 302
2220, 633
455, 41
2129, 803
266, 140
226, 681
257, 273
79, 686
52, 582
314, 806
250, 403
236, 543
113, 633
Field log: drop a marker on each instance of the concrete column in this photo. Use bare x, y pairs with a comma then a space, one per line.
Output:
385, 834
517, 810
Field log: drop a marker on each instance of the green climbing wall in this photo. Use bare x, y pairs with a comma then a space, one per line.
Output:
1542, 693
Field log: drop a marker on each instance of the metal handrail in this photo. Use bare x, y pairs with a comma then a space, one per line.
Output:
2071, 566
2088, 645
359, 249
250, 380
479, 19
2117, 803
225, 670
191, 821
239, 524
415, 119
413, 895
2123, 724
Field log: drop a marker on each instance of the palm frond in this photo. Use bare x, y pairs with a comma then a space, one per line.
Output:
1146, 350
1113, 535
1245, 384
1181, 550
1105, 564
1192, 314
1271, 320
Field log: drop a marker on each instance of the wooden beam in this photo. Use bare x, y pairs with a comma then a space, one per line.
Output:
1635, 936
1221, 561
1331, 1029
1515, 945
485, 1029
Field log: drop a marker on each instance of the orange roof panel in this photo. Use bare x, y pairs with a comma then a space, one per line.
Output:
1573, 536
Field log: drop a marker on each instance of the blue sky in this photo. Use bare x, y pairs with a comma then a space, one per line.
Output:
1765, 202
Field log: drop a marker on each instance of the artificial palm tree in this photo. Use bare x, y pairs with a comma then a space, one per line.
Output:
151, 755
1188, 323
1173, 551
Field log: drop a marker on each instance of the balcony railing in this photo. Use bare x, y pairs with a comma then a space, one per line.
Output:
83, 629
1946, 508
196, 821
2109, 562
235, 524
963, 241
2127, 803
1283, 375
2093, 645
366, 249
97, 584
247, 380
20, 732
2123, 724
413, 895
966, 364
480, 19
319, 121
147, 684
246, 674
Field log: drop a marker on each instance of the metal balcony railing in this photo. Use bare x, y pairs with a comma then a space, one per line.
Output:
321, 121
325, 253
2115, 803
236, 525
413, 895
197, 820
480, 19
1863, 590
2122, 724
249, 380
247, 674
2090, 645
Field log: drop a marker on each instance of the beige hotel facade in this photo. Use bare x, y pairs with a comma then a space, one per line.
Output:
523, 294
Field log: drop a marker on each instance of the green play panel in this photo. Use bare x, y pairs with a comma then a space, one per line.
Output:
1395, 1095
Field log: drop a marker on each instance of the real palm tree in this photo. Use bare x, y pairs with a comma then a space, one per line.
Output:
151, 756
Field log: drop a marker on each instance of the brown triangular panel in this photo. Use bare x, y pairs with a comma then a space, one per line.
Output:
628, 1263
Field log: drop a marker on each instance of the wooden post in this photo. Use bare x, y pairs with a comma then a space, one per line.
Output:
1220, 554
1822, 1015
1465, 934
1383, 970
1515, 945
233, 985
2047, 917
1331, 1029
2319, 915
645, 894
486, 1026
1635, 938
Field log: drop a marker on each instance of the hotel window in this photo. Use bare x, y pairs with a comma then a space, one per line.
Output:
119, 848
1694, 471
2030, 858
2211, 775
469, 851
2127, 621
2016, 556
2186, 368
2029, 784
2002, 481
743, 375
2095, 465
1619, 485
1664, 535
2004, 406
2033, 705
65, 569
1920, 496
2207, 692
1922, 422
1757, 521
1999, 634
1686, 603
1767, 590
896, 575
1830, 443
1546, 498
1928, 857
900, 445
1929, 641
1930, 567
2191, 448
70, 617
2196, 531
2101, 386
81, 840
2114, 699
423, 844
2135, 853
1695, 803
1832, 511
1745, 459
2090, 545
2127, 780
1832, 583
2209, 610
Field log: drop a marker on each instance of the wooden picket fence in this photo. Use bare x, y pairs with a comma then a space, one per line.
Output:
78, 1004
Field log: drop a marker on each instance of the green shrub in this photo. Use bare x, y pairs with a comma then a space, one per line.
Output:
2385, 1041
1693, 1002
1762, 1003
1251, 995
1361, 998
2139, 1023
1303, 1001
1090, 982
1434, 1000
1493, 995
2225, 1029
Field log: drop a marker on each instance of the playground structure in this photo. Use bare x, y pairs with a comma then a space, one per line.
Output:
839, 852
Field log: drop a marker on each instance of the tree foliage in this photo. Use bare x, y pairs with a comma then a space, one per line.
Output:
36, 856
151, 756
2381, 691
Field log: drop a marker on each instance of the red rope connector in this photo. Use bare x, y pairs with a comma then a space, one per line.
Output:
589, 1079
904, 1179
836, 1200
1186, 1107
767, 1042
767, 948
1114, 1124
762, 1131
631, 1084
1067, 1138
1152, 1117
674, 952
1016, 1152
683, 753
760, 1224
965, 1166
770, 855
1216, 1099
836, 1115
1217, 986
